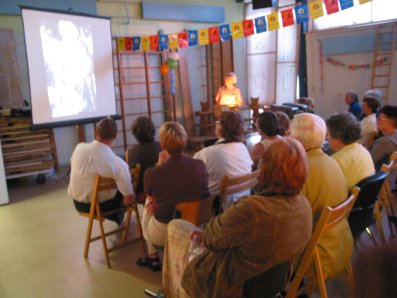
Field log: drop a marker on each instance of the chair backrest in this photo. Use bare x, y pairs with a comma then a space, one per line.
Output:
370, 188
135, 172
329, 217
197, 212
230, 185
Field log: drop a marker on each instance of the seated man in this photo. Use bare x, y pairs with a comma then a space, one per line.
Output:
383, 147
368, 124
90, 159
354, 107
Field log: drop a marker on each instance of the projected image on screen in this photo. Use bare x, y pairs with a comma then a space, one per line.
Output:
70, 80
70, 67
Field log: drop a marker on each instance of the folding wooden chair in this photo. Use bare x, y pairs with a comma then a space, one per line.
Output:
329, 217
102, 184
234, 184
385, 198
197, 212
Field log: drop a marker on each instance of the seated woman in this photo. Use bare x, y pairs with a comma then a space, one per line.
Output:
249, 238
146, 152
284, 122
229, 94
269, 128
228, 156
175, 179
356, 163
325, 186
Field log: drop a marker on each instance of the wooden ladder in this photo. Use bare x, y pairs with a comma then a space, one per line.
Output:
383, 58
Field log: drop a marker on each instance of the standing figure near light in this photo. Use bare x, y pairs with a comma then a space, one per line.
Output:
228, 94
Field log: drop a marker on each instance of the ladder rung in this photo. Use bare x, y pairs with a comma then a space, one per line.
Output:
384, 75
383, 43
381, 86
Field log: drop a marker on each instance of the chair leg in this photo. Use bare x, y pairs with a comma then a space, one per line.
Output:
319, 274
138, 222
105, 248
378, 218
126, 226
88, 236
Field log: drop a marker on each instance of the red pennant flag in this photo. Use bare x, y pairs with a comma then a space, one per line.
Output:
128, 43
248, 27
287, 17
182, 40
154, 42
331, 6
213, 33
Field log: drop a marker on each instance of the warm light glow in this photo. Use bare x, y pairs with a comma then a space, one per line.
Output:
229, 100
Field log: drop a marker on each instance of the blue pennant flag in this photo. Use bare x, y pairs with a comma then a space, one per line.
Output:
224, 31
163, 42
345, 4
302, 14
136, 43
260, 24
192, 37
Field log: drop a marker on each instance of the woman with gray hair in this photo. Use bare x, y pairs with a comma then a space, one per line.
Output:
356, 163
324, 186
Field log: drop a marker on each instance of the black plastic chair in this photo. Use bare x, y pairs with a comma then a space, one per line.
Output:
362, 215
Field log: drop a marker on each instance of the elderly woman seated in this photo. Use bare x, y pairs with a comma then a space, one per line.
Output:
324, 186
228, 156
177, 178
269, 128
253, 235
356, 163
146, 152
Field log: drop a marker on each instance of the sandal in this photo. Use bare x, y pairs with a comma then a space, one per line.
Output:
152, 263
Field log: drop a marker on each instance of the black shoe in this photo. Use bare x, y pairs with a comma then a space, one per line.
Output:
152, 263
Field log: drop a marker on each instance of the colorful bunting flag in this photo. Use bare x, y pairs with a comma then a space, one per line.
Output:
260, 24
154, 42
272, 21
316, 9
345, 4
213, 34
192, 38
145, 43
224, 31
287, 17
248, 27
302, 14
203, 38
364, 1
163, 42
331, 6
182, 40
120, 43
136, 43
237, 30
128, 43
173, 41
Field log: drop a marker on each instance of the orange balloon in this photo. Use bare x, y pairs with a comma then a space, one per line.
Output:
164, 69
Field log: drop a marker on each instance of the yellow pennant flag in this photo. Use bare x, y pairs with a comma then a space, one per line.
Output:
145, 43
272, 21
237, 30
364, 1
121, 43
173, 41
316, 9
203, 37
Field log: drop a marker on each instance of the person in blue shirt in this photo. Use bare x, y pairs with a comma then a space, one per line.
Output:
351, 100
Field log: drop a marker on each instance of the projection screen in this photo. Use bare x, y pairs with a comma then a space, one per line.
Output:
70, 67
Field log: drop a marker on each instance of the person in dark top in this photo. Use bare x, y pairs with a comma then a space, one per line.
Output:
176, 178
146, 152
384, 146
351, 100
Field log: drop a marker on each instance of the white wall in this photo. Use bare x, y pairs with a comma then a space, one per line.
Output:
327, 83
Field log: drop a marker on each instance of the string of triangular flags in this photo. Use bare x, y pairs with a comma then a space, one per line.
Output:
334, 62
290, 16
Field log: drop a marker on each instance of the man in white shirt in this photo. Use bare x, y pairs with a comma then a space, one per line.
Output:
97, 157
368, 124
